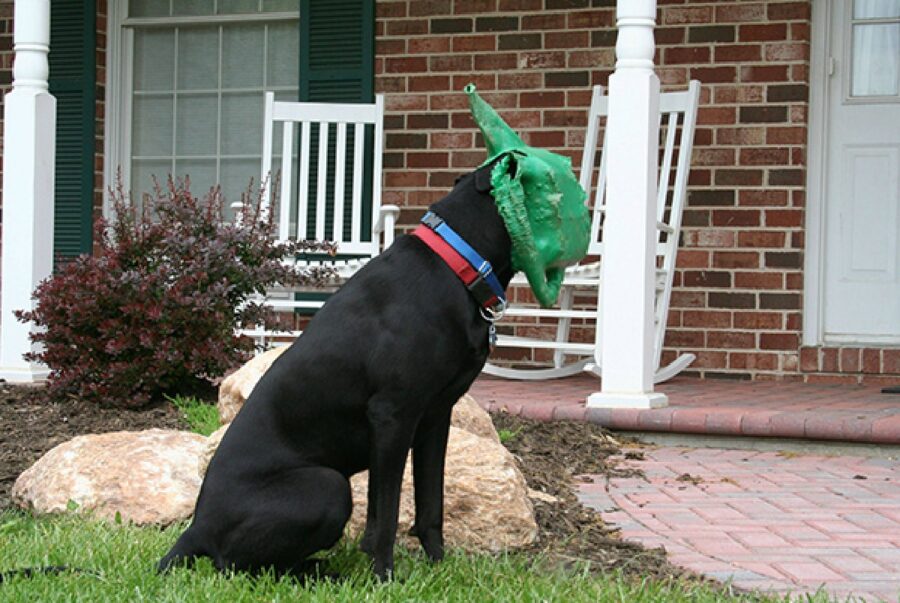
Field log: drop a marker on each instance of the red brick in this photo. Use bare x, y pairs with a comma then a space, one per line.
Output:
689, 258
491, 62
427, 160
593, 19
753, 361
762, 32
730, 339
678, 15
761, 238
716, 115
406, 65
738, 177
708, 319
566, 39
542, 60
758, 320
474, 43
425, 8
738, 53
779, 341
871, 361
520, 81
891, 361
850, 360
809, 359
544, 22
736, 259
456, 62
829, 360
387, 46
433, 83
786, 135
767, 156
677, 338
788, 51
429, 45
738, 217
739, 94
786, 218
592, 58
474, 6
750, 135
686, 54
740, 12
763, 198
714, 75
714, 156
759, 280
788, 11
764, 73
451, 140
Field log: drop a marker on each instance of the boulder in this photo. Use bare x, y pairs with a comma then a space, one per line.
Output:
236, 387
145, 477
469, 416
486, 504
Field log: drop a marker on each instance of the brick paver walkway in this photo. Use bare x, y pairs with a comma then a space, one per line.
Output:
849, 413
765, 520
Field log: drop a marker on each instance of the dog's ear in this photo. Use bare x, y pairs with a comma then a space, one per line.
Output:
483, 174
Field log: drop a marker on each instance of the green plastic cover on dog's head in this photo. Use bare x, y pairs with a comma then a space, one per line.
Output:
540, 201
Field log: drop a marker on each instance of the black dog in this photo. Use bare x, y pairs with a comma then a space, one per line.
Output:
375, 374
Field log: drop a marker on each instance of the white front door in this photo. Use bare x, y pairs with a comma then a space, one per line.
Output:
861, 277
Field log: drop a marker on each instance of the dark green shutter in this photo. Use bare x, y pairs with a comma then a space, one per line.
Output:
73, 83
337, 50
337, 64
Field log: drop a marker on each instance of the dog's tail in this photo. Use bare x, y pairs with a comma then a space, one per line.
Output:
183, 554
28, 572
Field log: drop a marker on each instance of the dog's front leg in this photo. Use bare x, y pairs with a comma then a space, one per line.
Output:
429, 452
390, 443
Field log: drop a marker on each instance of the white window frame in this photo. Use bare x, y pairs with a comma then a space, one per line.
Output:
120, 84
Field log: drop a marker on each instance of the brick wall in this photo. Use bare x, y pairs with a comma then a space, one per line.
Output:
738, 297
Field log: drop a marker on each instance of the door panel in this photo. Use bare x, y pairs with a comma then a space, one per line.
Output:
861, 302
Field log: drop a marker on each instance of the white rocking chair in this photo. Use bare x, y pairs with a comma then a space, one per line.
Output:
680, 112
330, 200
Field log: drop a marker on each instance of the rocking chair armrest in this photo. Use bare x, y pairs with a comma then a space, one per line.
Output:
387, 222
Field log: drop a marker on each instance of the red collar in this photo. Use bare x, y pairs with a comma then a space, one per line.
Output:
463, 269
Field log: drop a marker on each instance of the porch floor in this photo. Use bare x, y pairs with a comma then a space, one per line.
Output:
847, 413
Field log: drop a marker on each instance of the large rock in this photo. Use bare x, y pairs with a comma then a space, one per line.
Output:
486, 500
146, 477
236, 387
486, 504
469, 416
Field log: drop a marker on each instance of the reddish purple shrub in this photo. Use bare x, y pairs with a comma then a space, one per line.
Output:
155, 309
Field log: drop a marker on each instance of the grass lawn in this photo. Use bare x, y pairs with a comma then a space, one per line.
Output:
124, 556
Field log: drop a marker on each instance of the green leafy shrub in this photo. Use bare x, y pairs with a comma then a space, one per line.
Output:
155, 309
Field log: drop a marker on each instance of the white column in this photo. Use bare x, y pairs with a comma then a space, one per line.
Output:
29, 149
626, 354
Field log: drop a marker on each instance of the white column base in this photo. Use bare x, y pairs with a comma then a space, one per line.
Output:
621, 400
36, 374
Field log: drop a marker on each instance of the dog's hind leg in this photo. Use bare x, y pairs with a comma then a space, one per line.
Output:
287, 520
184, 553
429, 452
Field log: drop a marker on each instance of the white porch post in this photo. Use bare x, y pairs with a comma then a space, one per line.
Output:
629, 231
29, 149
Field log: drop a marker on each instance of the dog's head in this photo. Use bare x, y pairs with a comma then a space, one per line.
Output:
540, 201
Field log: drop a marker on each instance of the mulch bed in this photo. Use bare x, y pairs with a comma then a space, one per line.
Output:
551, 455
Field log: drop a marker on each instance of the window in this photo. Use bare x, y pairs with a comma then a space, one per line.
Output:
190, 98
876, 48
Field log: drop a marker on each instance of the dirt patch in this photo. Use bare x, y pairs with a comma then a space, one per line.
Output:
551, 456
30, 426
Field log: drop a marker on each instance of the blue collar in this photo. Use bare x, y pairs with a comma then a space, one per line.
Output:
482, 266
